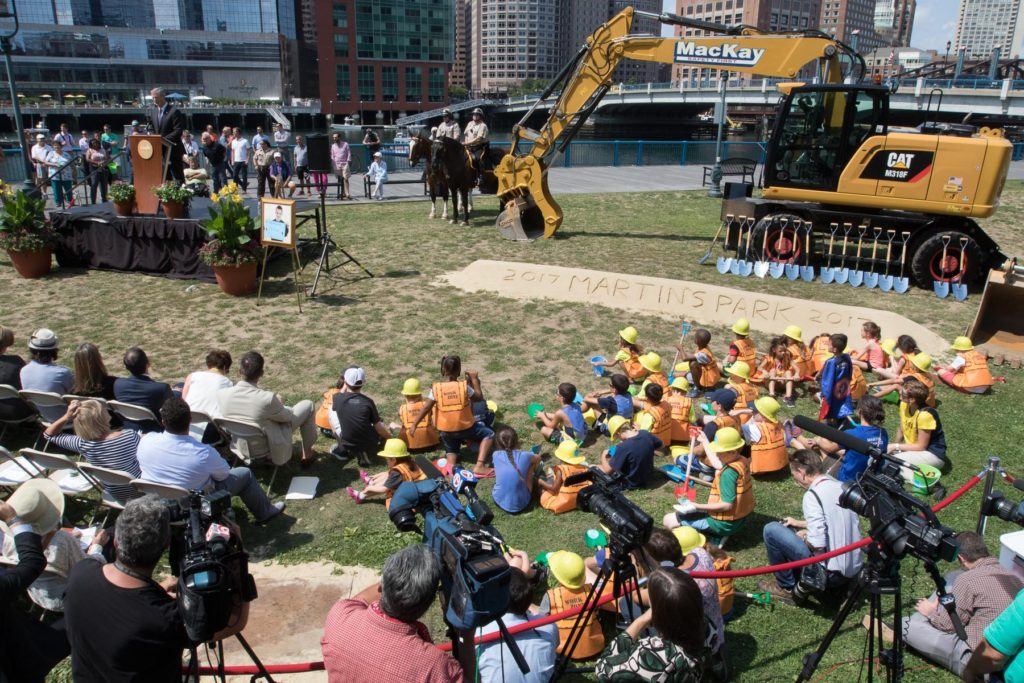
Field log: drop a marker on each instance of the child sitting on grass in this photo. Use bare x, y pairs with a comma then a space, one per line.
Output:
800, 354
555, 495
628, 355
722, 402
657, 415
968, 372
567, 421
401, 468
652, 363
851, 464
917, 366
682, 409
426, 436
567, 568
820, 352
778, 367
767, 438
920, 439
615, 400
741, 349
871, 355
513, 471
739, 384
704, 372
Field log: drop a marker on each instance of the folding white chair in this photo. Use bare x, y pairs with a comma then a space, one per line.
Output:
167, 491
68, 398
130, 412
63, 471
15, 471
9, 392
107, 477
197, 428
49, 405
245, 437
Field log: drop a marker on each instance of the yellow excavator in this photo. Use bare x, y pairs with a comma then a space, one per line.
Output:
831, 160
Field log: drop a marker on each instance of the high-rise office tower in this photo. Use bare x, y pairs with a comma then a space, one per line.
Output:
985, 24
512, 40
894, 21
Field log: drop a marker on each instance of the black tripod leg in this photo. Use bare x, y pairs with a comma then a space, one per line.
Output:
812, 659
264, 674
323, 263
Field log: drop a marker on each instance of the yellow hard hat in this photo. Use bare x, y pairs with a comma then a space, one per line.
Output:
739, 369
741, 326
394, 448
962, 344
679, 382
689, 538
922, 361
768, 407
411, 387
683, 367
569, 451
794, 332
629, 334
888, 346
615, 423
726, 439
492, 406
590, 417
651, 361
567, 568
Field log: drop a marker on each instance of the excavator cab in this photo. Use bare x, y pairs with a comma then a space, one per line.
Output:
817, 132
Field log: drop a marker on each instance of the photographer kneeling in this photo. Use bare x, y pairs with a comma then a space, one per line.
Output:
123, 625
825, 527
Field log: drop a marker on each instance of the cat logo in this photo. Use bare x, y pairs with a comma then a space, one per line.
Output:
900, 166
900, 160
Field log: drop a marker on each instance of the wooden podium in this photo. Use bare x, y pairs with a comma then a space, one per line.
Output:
149, 168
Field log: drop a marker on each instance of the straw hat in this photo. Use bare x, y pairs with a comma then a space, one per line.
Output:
43, 339
412, 387
567, 568
795, 333
962, 344
726, 439
394, 448
739, 369
569, 451
922, 361
629, 334
689, 538
741, 326
651, 362
768, 407
39, 503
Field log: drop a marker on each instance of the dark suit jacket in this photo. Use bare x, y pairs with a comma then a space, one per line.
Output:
143, 391
170, 129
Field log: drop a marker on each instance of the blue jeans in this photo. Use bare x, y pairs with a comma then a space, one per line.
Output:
219, 179
241, 482
783, 545
61, 192
452, 441
241, 174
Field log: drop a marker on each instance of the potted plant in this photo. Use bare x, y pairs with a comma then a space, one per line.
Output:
231, 251
123, 196
25, 233
174, 197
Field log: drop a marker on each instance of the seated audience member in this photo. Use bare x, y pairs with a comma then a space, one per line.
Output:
323, 417
1000, 648
556, 495
514, 471
91, 377
140, 389
377, 636
11, 409
968, 372
400, 469
100, 446
122, 625
920, 439
247, 401
682, 645
426, 436
627, 356
355, 418
871, 414
633, 455
615, 400
28, 648
567, 422
42, 372
538, 646
173, 457
63, 551
825, 526
703, 373
656, 417
722, 402
982, 591
201, 387
697, 558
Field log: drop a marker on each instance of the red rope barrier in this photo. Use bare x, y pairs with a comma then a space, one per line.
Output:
552, 618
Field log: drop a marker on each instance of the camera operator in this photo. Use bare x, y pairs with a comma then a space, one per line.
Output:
982, 590
1000, 649
376, 637
825, 527
538, 645
123, 625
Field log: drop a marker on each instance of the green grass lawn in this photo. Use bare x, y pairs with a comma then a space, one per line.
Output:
399, 324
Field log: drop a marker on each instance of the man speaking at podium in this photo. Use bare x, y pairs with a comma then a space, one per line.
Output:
169, 123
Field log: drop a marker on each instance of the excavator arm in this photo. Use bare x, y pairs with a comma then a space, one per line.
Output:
529, 209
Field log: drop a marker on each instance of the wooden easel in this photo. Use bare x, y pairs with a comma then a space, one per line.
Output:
293, 248
149, 167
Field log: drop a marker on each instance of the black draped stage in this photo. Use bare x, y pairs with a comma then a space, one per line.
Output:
94, 236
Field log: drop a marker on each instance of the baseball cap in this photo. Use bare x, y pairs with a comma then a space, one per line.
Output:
354, 377
277, 155
40, 136
723, 397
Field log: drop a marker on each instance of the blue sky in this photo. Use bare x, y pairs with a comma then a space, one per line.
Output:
934, 23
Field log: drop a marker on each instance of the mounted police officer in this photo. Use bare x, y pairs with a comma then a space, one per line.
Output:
475, 139
448, 128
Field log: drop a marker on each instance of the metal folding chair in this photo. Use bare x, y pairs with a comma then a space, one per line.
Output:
246, 436
49, 405
166, 491
9, 392
15, 471
197, 428
63, 471
107, 477
130, 412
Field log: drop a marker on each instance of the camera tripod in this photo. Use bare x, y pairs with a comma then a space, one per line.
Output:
881, 576
328, 245
193, 662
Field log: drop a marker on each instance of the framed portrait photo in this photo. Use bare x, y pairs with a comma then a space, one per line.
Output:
277, 222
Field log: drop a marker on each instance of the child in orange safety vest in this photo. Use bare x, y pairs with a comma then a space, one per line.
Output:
703, 370
656, 417
556, 495
682, 409
799, 352
741, 349
968, 372
652, 364
628, 355
401, 468
426, 436
568, 569
821, 351
766, 437
453, 417
739, 384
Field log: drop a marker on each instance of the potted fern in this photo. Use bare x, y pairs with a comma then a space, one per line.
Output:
25, 233
174, 197
231, 251
122, 194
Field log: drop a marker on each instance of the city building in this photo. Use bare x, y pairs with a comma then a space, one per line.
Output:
512, 40
894, 21
460, 66
581, 17
381, 59
894, 61
116, 50
983, 25
851, 21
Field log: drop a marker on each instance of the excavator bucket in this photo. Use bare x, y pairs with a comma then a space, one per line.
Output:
528, 209
998, 327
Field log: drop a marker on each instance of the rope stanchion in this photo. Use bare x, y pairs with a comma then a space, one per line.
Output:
552, 618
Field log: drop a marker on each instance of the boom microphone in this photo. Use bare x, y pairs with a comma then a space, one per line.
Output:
847, 440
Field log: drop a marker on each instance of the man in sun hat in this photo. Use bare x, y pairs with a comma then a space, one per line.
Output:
41, 373
633, 455
355, 415
28, 648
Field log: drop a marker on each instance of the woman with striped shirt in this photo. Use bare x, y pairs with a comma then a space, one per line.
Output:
98, 444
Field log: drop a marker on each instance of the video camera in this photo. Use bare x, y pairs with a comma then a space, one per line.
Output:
630, 526
996, 505
475, 575
210, 563
900, 523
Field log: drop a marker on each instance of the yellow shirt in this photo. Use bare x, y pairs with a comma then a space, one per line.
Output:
912, 423
622, 355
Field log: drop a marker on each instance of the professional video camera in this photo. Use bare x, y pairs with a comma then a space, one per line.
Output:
630, 526
996, 504
211, 566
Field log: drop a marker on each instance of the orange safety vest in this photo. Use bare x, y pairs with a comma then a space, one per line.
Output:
801, 359
453, 410
726, 586
747, 352
633, 368
859, 386
658, 378
409, 472
911, 370
821, 351
744, 503
727, 421
769, 454
710, 373
682, 408
565, 499
661, 425
746, 393
323, 420
426, 434
975, 373
591, 643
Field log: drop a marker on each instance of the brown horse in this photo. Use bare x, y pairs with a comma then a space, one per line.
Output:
451, 160
419, 148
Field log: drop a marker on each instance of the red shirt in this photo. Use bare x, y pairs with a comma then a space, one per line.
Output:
363, 645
